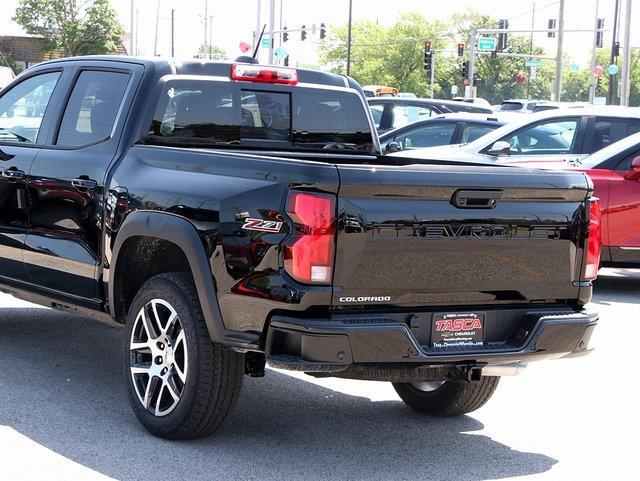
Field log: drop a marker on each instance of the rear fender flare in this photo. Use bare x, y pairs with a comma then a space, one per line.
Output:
182, 233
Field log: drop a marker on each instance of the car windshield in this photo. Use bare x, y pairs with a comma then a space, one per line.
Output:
510, 106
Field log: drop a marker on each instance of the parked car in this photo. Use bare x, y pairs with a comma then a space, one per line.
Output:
563, 134
615, 172
532, 106
392, 113
473, 100
441, 130
379, 91
230, 214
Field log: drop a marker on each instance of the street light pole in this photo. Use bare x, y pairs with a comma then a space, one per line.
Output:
349, 38
131, 28
626, 59
558, 83
614, 38
206, 21
594, 79
272, 22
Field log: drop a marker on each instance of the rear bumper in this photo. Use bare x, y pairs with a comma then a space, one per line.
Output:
363, 347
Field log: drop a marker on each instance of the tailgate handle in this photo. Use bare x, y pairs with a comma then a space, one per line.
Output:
476, 199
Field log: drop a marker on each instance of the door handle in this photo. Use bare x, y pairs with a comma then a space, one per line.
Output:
13, 174
84, 184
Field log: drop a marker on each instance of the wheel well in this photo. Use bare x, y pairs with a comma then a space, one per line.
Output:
141, 258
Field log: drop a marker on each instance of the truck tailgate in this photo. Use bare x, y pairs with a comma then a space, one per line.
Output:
457, 235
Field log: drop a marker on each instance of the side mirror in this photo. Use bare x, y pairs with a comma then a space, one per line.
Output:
501, 147
634, 172
392, 147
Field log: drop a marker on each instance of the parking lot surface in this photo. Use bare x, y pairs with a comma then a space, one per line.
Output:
64, 414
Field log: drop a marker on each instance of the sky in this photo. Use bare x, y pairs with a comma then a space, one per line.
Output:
234, 21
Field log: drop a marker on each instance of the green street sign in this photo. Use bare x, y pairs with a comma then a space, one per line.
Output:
533, 63
266, 42
486, 44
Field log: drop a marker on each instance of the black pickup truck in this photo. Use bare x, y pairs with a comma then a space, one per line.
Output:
230, 215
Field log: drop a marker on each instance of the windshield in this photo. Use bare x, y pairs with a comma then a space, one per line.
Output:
511, 106
210, 113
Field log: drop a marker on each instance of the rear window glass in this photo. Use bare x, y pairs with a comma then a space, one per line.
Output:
202, 112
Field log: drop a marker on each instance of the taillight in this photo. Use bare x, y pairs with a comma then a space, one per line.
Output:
594, 239
263, 74
308, 257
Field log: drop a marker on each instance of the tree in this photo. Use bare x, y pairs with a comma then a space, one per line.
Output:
212, 52
387, 56
72, 27
8, 61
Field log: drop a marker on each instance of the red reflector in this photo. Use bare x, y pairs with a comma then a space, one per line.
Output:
592, 260
308, 257
263, 74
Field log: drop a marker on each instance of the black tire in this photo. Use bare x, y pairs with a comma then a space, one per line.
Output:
450, 399
214, 376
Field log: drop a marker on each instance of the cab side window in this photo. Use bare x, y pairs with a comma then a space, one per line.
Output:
22, 108
92, 108
609, 130
556, 136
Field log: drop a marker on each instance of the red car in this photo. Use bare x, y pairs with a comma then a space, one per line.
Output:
615, 171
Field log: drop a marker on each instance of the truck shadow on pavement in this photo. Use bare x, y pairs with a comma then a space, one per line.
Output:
621, 284
61, 386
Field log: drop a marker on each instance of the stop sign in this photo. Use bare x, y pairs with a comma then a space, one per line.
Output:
521, 78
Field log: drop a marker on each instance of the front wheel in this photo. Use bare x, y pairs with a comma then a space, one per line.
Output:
447, 398
180, 385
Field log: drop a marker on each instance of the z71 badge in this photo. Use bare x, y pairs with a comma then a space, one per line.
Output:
262, 225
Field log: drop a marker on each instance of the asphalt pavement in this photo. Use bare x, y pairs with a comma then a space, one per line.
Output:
64, 414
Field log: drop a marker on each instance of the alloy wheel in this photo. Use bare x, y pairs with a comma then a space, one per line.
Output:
159, 357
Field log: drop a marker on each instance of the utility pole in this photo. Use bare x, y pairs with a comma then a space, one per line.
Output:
210, 35
533, 25
433, 71
349, 38
173, 37
155, 42
594, 79
626, 59
611, 95
256, 34
472, 60
131, 28
205, 20
272, 27
558, 83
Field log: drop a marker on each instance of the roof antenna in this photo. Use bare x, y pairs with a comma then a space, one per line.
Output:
252, 59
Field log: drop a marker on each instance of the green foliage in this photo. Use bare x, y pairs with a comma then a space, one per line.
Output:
72, 27
212, 52
393, 56
8, 61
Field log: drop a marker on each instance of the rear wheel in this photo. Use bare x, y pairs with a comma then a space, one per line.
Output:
180, 385
447, 398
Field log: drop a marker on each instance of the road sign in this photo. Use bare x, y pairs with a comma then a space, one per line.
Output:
533, 72
486, 44
280, 53
533, 63
265, 42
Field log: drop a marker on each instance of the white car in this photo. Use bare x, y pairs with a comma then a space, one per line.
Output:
561, 134
6, 76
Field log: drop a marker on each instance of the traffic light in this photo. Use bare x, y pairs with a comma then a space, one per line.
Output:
303, 33
465, 70
599, 32
502, 37
285, 35
552, 26
428, 58
461, 50
494, 53
286, 61
615, 51
323, 31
